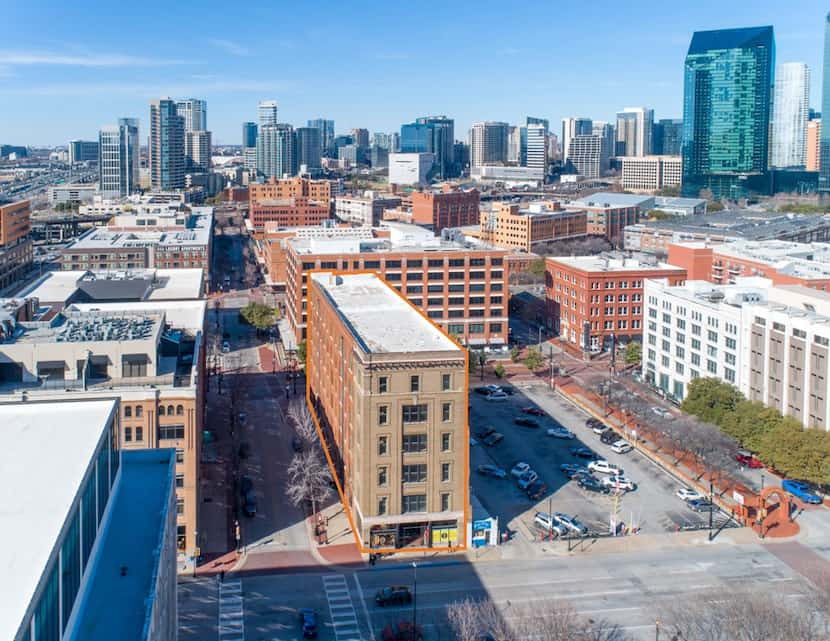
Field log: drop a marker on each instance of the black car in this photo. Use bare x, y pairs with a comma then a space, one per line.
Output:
245, 485
524, 421
536, 490
609, 436
593, 422
484, 391
493, 438
591, 483
308, 621
393, 594
507, 390
249, 505
484, 432
572, 470
584, 452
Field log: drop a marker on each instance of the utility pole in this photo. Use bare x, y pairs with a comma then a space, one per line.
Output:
414, 597
711, 507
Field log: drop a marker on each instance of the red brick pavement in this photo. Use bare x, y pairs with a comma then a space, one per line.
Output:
265, 562
803, 560
343, 554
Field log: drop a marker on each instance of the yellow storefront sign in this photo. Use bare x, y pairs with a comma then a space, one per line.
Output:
445, 536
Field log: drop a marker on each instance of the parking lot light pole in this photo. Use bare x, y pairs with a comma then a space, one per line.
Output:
711, 507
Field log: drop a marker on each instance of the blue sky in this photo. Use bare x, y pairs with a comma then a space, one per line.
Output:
66, 68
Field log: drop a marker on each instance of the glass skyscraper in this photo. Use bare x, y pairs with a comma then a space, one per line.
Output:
824, 140
431, 134
790, 112
727, 99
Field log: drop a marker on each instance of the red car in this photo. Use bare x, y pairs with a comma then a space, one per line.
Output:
535, 411
747, 459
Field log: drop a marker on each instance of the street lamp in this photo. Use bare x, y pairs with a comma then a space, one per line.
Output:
414, 597
552, 377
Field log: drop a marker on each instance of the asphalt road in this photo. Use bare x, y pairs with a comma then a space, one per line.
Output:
625, 589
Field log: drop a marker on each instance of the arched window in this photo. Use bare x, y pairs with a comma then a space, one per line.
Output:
179, 410
161, 410
128, 411
169, 410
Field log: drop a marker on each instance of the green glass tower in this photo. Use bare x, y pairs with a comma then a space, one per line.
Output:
727, 99
824, 142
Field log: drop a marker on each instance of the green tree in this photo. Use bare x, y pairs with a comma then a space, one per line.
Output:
515, 352
533, 359
634, 353
714, 206
260, 316
537, 267
709, 399
301, 353
498, 370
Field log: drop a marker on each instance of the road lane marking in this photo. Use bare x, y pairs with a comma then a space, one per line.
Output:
344, 620
231, 611
363, 605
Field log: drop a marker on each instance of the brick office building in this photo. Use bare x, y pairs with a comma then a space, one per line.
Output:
462, 289
521, 227
15, 242
289, 202
446, 208
389, 390
610, 213
591, 298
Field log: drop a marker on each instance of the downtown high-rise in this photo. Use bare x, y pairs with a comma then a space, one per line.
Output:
267, 112
276, 151
167, 164
572, 127
824, 133
118, 158
790, 114
309, 147
488, 143
634, 132
726, 112
434, 135
326, 128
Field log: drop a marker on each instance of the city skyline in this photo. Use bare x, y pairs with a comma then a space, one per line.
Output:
117, 77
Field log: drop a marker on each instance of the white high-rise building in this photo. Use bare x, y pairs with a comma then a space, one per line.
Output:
267, 112
536, 156
634, 131
574, 127
118, 160
514, 145
197, 146
276, 151
194, 112
790, 113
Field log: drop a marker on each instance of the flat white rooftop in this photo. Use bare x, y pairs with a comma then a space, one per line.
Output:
379, 318
602, 264
46, 452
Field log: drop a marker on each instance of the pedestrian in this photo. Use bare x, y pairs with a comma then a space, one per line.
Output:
287, 391
222, 576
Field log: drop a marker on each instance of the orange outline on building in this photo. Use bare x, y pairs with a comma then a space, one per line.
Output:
320, 435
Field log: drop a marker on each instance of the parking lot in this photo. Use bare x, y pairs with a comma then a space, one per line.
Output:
652, 507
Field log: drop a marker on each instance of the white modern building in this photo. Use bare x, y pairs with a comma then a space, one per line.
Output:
512, 176
572, 127
535, 147
587, 155
634, 132
790, 114
194, 112
71, 193
267, 113
411, 168
366, 210
197, 150
694, 330
651, 173
276, 150
489, 142
118, 162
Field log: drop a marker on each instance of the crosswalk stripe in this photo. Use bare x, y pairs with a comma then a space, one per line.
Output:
231, 611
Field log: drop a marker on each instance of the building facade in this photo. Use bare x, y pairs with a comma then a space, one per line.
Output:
592, 298
726, 111
326, 128
267, 113
364, 210
309, 147
82, 151
16, 252
488, 143
813, 161
572, 127
651, 173
609, 213
667, 137
166, 153
118, 164
790, 113
587, 155
276, 151
411, 169
449, 207
824, 135
634, 132
519, 227
398, 435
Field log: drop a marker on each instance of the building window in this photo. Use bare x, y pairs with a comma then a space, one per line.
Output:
446, 382
179, 410
445, 472
729, 375
383, 385
383, 445
383, 415
446, 502
414, 503
128, 411
170, 432
179, 505
139, 433
169, 410
446, 442
382, 476
383, 502
415, 473
179, 456
139, 411
414, 383
446, 412
161, 410
181, 536
179, 480
414, 413
128, 434
414, 443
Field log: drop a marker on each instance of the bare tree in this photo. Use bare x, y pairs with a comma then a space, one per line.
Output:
309, 480
300, 415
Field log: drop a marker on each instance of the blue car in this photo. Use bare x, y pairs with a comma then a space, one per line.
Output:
308, 619
801, 490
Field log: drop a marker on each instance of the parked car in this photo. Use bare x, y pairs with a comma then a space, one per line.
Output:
392, 595
482, 390
599, 428
688, 494
533, 411
536, 490
519, 468
497, 396
526, 422
493, 438
593, 422
604, 467
590, 483
701, 505
571, 523
491, 470
246, 484
748, 459
801, 491
507, 389
308, 622
546, 522
662, 413
621, 446
572, 469
526, 479
560, 432
297, 444
609, 436
485, 431
583, 452
226, 347
619, 482
249, 505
